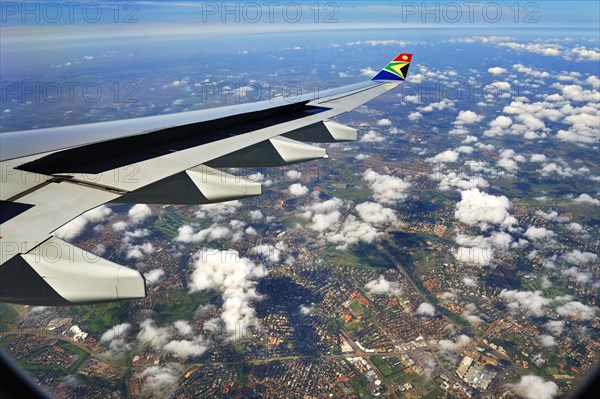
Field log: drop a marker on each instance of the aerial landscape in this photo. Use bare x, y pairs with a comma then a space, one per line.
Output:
450, 252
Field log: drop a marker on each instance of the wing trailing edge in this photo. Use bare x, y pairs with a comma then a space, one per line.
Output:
56, 273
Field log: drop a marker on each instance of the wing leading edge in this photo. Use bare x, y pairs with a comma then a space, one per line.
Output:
50, 176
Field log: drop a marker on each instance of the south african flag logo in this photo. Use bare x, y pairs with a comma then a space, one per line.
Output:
397, 69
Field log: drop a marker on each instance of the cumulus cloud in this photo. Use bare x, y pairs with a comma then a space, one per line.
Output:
538, 233
116, 332
530, 71
555, 327
469, 281
352, 231
547, 340
306, 310
438, 106
538, 158
374, 213
236, 278
479, 208
425, 309
381, 286
256, 215
454, 347
154, 275
447, 156
76, 226
293, 174
138, 213
534, 387
298, 190
467, 117
532, 303
497, 70
384, 122
160, 379
368, 72
475, 255
586, 199
387, 189
218, 211
577, 310
414, 116
372, 137
577, 257
271, 253
187, 234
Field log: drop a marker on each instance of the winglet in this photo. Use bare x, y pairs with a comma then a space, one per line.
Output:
396, 70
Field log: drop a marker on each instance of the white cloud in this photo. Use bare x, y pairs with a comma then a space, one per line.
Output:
454, 347
439, 106
183, 327
116, 332
256, 215
479, 208
160, 379
586, 199
475, 255
374, 213
119, 226
547, 49
584, 54
577, 257
368, 72
76, 226
372, 137
271, 253
154, 275
576, 310
298, 190
186, 348
538, 233
447, 156
293, 174
533, 303
547, 340
470, 281
215, 232
352, 231
425, 309
384, 122
538, 158
467, 117
152, 335
387, 189
534, 387
414, 116
306, 310
497, 70
555, 327
218, 211
530, 71
236, 278
381, 286
138, 213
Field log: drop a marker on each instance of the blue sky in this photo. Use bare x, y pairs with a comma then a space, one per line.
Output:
410, 14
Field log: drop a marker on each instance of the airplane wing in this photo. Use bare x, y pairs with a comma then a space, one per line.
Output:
51, 176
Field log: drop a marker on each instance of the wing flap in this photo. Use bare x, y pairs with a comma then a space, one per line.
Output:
324, 132
198, 185
59, 273
276, 151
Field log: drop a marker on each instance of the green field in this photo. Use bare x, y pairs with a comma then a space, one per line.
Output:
8, 315
178, 305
